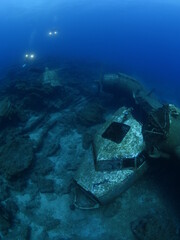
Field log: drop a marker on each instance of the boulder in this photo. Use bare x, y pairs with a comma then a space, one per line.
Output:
16, 156
155, 226
8, 112
5, 220
90, 115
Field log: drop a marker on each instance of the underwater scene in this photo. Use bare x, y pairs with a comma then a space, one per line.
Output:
89, 120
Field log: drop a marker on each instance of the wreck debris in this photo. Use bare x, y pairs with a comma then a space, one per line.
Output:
161, 132
119, 143
118, 158
125, 86
104, 186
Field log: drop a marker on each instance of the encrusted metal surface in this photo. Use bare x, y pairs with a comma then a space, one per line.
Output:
102, 185
110, 155
105, 186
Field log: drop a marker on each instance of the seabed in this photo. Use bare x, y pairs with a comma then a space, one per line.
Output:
48, 117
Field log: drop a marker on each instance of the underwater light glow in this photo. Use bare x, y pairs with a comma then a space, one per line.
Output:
29, 56
53, 33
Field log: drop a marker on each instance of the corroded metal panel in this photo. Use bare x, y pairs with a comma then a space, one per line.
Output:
119, 143
105, 186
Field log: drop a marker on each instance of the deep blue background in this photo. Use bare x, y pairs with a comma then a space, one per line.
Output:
141, 38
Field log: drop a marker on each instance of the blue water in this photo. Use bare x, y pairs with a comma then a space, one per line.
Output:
47, 126
140, 38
